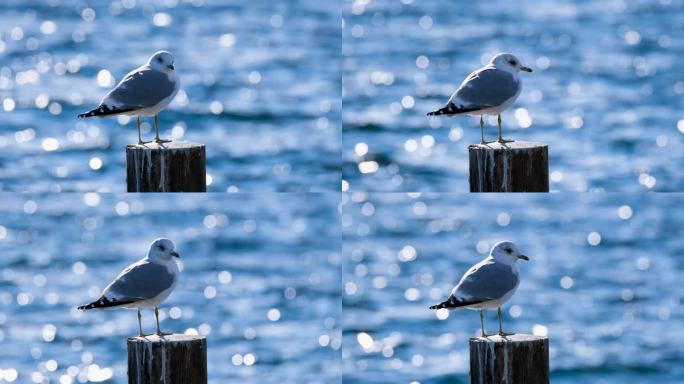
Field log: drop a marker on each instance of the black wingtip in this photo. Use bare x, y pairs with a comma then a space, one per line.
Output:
92, 112
104, 110
451, 109
87, 306
447, 110
104, 302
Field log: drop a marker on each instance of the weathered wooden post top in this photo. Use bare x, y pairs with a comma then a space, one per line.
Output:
170, 359
512, 359
166, 167
516, 166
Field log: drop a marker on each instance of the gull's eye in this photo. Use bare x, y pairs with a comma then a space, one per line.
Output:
512, 62
509, 250
159, 59
162, 247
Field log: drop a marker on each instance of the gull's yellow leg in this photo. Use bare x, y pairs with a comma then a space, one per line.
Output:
156, 127
140, 324
501, 140
140, 142
482, 140
501, 332
482, 328
481, 314
156, 315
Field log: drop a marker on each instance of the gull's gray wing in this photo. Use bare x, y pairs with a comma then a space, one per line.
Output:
486, 280
484, 88
140, 281
141, 88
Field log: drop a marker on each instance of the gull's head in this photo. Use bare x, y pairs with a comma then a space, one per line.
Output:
506, 252
163, 249
161, 61
508, 62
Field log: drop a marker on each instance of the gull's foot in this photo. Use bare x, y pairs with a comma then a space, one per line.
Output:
161, 141
505, 334
485, 142
486, 334
144, 335
164, 333
504, 141
143, 142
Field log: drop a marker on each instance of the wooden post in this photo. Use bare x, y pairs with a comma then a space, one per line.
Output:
515, 359
167, 167
167, 359
512, 167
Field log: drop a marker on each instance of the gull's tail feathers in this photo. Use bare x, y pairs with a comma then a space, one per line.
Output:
451, 109
104, 302
452, 302
104, 110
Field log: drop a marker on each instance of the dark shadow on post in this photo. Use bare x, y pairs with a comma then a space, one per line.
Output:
512, 167
168, 167
168, 359
515, 359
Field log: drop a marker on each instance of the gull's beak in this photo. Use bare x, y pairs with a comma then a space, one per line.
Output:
171, 67
175, 254
523, 257
526, 69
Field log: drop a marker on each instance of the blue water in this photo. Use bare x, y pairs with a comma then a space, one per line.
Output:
294, 286
607, 93
260, 88
261, 279
603, 282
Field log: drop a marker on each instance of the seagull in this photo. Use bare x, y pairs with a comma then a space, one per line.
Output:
488, 91
145, 91
488, 284
145, 283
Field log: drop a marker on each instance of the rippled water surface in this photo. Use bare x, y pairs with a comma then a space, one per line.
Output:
603, 282
260, 88
606, 94
261, 279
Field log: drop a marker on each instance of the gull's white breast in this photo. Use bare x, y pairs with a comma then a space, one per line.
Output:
172, 267
498, 109
151, 111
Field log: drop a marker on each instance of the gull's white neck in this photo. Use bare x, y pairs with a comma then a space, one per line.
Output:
159, 260
505, 68
170, 263
504, 260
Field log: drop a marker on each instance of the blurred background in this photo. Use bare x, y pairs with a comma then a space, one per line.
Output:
260, 86
607, 93
603, 283
261, 279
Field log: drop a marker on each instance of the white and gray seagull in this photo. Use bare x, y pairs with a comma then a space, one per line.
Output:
488, 91
145, 91
143, 284
488, 284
